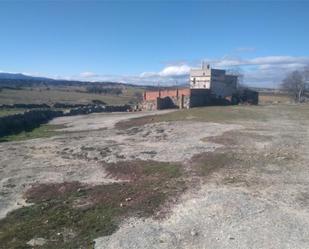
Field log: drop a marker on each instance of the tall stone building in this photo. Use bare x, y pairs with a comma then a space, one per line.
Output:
216, 80
208, 86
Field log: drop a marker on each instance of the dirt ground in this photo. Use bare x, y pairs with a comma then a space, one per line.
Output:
248, 178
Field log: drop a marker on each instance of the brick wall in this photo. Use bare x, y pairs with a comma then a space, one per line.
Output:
153, 95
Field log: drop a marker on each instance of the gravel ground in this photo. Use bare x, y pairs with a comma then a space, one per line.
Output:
260, 200
79, 156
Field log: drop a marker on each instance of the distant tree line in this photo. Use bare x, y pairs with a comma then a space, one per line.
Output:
103, 90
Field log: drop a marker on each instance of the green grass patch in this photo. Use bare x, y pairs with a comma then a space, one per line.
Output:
62, 225
6, 112
72, 214
42, 131
166, 169
206, 163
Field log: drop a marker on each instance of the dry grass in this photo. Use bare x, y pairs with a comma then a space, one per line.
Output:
274, 98
225, 114
218, 114
39, 96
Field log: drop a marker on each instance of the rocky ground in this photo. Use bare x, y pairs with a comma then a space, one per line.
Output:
247, 179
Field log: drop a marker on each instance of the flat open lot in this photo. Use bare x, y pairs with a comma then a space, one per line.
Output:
213, 177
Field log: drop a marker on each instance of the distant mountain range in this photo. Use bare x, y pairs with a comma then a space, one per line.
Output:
19, 80
22, 80
20, 76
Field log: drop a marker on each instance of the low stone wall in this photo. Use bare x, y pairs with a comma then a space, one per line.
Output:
97, 109
166, 103
200, 97
246, 96
250, 97
26, 121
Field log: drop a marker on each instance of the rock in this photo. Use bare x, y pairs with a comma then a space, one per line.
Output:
128, 199
194, 232
36, 242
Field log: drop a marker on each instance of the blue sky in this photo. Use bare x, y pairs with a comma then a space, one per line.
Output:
151, 42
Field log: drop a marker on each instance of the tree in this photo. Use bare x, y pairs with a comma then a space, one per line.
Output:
306, 75
237, 71
294, 83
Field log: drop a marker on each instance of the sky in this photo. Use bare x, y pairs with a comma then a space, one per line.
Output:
154, 42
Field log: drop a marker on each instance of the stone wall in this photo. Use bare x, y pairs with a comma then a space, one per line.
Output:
166, 103
195, 98
182, 99
200, 97
97, 109
26, 121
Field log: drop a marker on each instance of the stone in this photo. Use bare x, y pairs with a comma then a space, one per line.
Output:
36, 242
194, 232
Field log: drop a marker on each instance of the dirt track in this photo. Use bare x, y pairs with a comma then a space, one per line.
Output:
259, 199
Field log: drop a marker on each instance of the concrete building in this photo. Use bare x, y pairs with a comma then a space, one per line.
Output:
216, 80
208, 86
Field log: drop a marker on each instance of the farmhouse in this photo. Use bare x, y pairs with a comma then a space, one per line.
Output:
208, 86
220, 84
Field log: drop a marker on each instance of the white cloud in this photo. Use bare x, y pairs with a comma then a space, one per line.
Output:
88, 75
175, 71
278, 60
266, 60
